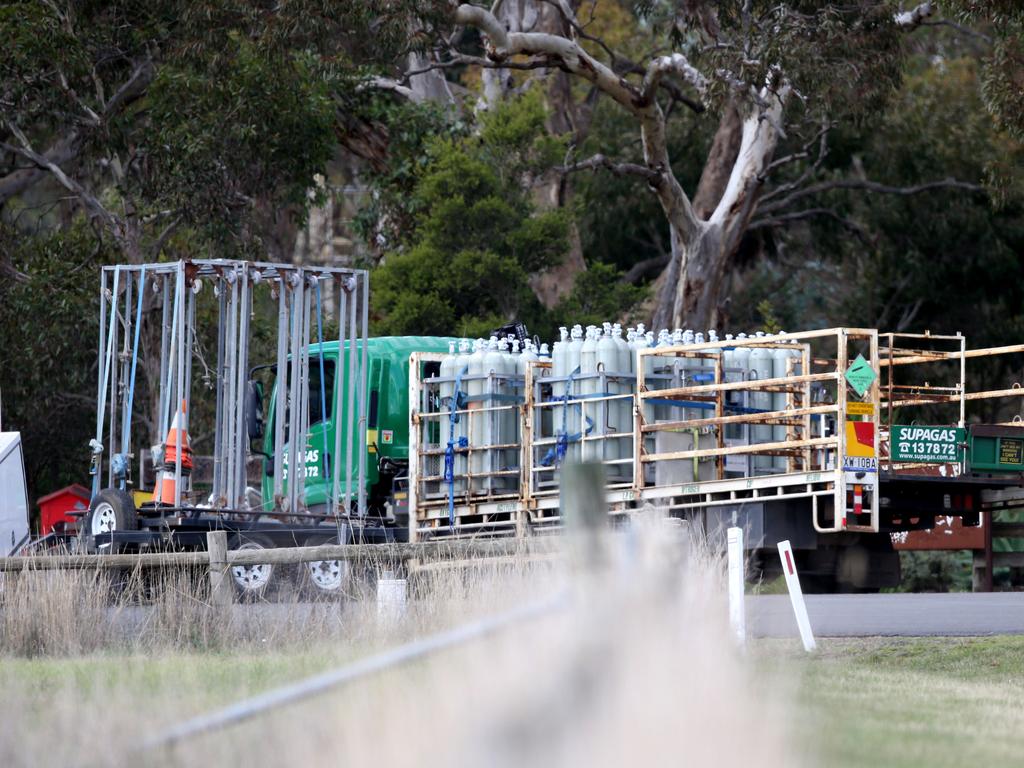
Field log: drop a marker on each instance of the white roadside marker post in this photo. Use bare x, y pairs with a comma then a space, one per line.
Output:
391, 597
737, 611
796, 595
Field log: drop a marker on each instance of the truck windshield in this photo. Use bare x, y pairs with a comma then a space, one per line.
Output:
316, 411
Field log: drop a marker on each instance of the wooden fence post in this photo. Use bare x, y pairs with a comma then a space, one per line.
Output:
585, 509
221, 592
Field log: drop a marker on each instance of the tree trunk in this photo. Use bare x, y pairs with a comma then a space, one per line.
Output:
726, 197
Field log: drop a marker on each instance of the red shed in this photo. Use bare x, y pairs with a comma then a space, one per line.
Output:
54, 507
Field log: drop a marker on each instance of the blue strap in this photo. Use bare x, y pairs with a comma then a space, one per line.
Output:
458, 399
557, 454
323, 394
563, 434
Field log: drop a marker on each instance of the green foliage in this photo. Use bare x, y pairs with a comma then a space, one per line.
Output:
389, 214
208, 166
476, 234
1003, 83
841, 58
935, 571
1002, 76
35, 43
769, 321
620, 221
49, 321
944, 260
598, 295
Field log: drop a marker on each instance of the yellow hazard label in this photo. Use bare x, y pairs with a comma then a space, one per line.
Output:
855, 408
371, 440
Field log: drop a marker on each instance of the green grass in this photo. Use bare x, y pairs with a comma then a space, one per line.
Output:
914, 702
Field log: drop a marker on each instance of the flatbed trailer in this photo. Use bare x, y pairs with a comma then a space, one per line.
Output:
392, 450
832, 486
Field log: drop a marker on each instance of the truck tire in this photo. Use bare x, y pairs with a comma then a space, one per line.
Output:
326, 579
110, 510
252, 582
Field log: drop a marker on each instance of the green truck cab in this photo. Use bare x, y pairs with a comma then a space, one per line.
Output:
385, 434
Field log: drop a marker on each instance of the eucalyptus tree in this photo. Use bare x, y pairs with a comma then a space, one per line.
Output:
770, 74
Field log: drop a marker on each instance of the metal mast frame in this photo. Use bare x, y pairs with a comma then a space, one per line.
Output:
170, 293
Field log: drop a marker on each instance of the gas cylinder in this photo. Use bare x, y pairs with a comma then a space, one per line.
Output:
476, 427
780, 400
559, 352
761, 366
607, 357
494, 390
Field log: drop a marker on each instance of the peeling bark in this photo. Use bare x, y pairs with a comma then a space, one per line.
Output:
721, 158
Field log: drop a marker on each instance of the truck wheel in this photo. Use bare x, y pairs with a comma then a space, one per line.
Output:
252, 581
329, 579
110, 510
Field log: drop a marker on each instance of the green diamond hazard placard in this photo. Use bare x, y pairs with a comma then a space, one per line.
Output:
860, 374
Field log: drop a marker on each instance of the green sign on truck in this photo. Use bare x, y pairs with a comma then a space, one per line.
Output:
921, 443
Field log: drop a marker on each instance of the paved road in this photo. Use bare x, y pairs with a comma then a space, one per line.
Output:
891, 615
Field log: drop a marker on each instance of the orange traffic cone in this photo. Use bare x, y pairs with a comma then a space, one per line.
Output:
165, 483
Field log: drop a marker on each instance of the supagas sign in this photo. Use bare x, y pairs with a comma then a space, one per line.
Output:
926, 444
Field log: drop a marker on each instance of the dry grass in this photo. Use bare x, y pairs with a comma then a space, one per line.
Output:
641, 669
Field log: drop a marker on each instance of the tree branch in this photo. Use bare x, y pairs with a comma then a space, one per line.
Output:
618, 169
463, 59
60, 152
502, 45
914, 17
91, 203
785, 218
66, 148
389, 84
868, 186
677, 64
647, 268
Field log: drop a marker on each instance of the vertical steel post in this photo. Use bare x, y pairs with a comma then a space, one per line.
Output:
242, 434
230, 396
218, 419
294, 460
282, 384
115, 359
350, 431
303, 434
101, 384
339, 367
363, 383
805, 369
989, 559
165, 340
638, 420
190, 345
182, 331
876, 394
963, 380
840, 475
168, 385
116, 441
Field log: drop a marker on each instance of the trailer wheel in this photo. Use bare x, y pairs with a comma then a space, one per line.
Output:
326, 578
252, 581
110, 510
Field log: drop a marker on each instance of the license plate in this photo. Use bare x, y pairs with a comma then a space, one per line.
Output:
860, 464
